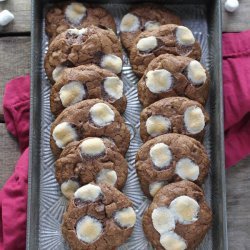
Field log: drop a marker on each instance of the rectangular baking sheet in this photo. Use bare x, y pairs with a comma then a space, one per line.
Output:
46, 205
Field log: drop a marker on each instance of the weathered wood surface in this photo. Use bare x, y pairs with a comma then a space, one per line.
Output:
9, 153
21, 10
15, 61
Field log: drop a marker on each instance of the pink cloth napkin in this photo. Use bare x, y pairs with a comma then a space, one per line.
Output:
236, 81
13, 196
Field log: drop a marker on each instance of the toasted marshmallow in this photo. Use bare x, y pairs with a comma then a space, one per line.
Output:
187, 169
194, 120
159, 80
147, 44
160, 155
154, 187
130, 23
106, 176
113, 86
57, 72
63, 134
184, 36
196, 73
68, 188
88, 229
88, 192
163, 220
71, 93
77, 32
157, 125
112, 63
92, 147
151, 25
172, 241
75, 12
101, 114
185, 209
125, 217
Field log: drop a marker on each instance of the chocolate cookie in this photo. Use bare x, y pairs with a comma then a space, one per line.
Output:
61, 17
169, 75
173, 115
98, 217
91, 45
89, 118
178, 217
86, 82
144, 17
88, 160
170, 158
168, 39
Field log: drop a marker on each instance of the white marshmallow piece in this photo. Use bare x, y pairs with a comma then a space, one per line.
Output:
194, 120
160, 155
88, 192
101, 114
125, 217
130, 23
75, 12
187, 169
113, 86
231, 5
184, 36
172, 241
185, 209
151, 25
71, 93
147, 44
63, 134
88, 229
163, 220
112, 63
154, 187
92, 147
68, 188
159, 80
6, 17
107, 176
57, 72
196, 73
77, 32
157, 125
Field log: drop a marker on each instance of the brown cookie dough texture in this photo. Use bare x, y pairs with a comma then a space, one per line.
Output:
173, 115
170, 158
88, 160
142, 18
169, 75
86, 82
178, 217
168, 39
89, 118
61, 17
98, 217
75, 47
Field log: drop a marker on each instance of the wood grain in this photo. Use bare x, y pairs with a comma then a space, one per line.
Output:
9, 154
238, 20
15, 61
22, 12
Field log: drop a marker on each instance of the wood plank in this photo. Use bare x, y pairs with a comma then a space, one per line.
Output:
238, 20
22, 12
238, 205
9, 154
15, 61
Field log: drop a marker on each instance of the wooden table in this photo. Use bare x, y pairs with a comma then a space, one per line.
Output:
15, 60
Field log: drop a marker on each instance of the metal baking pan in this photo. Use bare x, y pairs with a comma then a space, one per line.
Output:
45, 204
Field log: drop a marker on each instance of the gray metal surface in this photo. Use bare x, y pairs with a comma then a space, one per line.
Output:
46, 205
